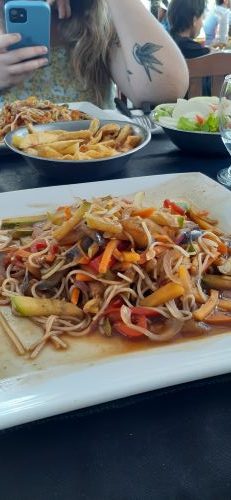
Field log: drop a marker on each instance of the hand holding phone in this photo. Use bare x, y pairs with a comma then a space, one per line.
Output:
31, 19
26, 45
18, 65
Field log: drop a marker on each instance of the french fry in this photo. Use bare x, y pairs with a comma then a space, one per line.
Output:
78, 134
124, 133
35, 139
93, 143
110, 129
47, 152
94, 126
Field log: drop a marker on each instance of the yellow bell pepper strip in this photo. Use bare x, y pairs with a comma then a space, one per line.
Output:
163, 294
185, 278
102, 224
67, 226
132, 257
207, 308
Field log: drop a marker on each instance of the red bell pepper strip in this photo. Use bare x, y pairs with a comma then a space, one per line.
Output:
38, 246
147, 312
174, 207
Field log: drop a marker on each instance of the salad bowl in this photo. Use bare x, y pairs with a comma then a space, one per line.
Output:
192, 125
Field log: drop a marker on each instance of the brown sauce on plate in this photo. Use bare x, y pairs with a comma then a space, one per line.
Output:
87, 350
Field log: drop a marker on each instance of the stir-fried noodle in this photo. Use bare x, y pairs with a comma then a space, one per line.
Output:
113, 266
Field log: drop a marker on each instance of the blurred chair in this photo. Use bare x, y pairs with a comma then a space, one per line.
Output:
214, 67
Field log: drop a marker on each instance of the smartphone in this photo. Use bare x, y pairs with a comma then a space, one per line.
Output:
30, 18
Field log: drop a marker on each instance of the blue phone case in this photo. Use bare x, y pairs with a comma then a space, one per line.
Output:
36, 30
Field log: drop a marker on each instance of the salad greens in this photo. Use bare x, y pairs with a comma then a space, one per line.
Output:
209, 124
199, 114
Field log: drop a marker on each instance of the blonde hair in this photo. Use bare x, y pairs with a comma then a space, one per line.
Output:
90, 33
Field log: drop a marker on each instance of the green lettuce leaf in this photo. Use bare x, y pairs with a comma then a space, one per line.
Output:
187, 124
211, 124
165, 111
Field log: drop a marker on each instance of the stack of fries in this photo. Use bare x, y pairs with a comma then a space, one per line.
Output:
96, 142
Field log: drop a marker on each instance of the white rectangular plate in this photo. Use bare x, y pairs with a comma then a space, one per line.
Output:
88, 373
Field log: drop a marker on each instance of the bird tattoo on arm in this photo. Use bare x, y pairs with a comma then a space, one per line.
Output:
145, 56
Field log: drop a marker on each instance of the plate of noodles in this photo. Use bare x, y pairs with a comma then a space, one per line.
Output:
110, 289
32, 111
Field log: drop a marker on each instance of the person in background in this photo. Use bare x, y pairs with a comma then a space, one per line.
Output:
185, 20
163, 13
96, 43
216, 24
154, 8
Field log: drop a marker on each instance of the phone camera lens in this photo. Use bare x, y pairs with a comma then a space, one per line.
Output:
18, 15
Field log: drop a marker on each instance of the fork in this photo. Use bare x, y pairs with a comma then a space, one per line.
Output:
144, 120
140, 116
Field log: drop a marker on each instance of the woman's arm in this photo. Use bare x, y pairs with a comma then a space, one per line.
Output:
147, 64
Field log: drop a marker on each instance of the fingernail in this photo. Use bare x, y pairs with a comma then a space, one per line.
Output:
44, 50
45, 62
16, 36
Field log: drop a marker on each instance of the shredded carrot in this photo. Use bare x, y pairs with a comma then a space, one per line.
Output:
82, 277
75, 296
67, 212
144, 212
107, 255
84, 260
222, 248
207, 308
